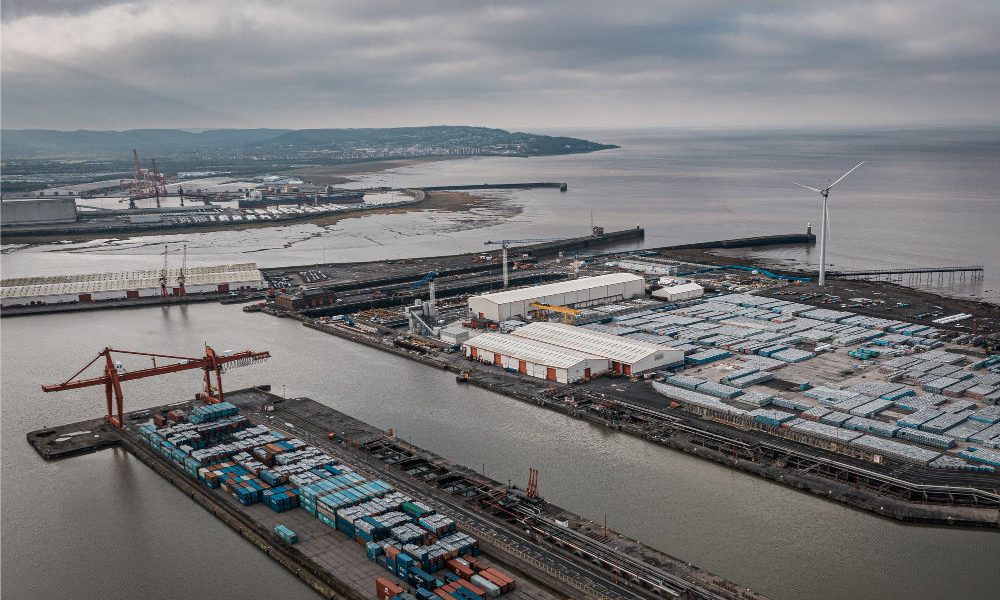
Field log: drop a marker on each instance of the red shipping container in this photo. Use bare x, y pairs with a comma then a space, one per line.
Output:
505, 583
473, 562
501, 575
443, 594
461, 570
386, 589
492, 578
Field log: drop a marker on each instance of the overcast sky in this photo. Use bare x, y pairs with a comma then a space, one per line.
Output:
531, 65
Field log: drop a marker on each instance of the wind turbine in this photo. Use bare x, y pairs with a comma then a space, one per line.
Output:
824, 231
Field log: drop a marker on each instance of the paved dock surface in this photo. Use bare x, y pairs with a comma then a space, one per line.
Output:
73, 439
614, 555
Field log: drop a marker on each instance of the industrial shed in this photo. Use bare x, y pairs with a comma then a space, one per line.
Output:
121, 285
576, 293
625, 355
534, 358
682, 291
37, 211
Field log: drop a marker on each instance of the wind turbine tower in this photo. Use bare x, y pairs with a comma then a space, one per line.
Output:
824, 230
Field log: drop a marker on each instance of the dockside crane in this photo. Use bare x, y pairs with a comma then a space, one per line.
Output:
114, 375
503, 252
182, 276
568, 314
158, 182
532, 491
428, 279
145, 183
163, 273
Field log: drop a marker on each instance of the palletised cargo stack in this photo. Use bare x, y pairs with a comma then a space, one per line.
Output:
982, 455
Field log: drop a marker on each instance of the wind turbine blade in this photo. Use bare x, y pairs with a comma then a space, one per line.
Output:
808, 188
842, 177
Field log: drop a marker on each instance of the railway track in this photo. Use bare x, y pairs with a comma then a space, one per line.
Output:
626, 576
937, 485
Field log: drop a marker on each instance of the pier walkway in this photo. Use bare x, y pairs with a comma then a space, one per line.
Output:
913, 274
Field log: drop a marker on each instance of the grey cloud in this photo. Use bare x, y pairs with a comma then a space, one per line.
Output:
16, 9
316, 63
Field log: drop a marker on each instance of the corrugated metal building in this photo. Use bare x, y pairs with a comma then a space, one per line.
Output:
682, 291
27, 291
534, 358
625, 355
576, 293
37, 211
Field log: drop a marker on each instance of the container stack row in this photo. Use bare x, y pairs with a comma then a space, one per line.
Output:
462, 578
410, 539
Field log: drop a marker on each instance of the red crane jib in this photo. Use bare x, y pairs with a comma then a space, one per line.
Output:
112, 379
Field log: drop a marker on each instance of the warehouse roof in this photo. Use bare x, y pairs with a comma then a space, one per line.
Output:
612, 347
560, 287
125, 280
682, 287
529, 350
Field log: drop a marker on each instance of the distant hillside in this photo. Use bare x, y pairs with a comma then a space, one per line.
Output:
330, 144
49, 143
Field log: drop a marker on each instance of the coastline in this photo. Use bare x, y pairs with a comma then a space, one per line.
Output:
450, 201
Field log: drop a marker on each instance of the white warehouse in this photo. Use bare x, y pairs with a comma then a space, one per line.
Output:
624, 356
122, 285
537, 359
576, 293
681, 291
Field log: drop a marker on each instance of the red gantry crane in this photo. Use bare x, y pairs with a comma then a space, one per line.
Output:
145, 183
114, 375
532, 490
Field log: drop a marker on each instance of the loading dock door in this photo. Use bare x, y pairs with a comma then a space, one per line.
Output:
550, 374
497, 360
586, 373
86, 298
616, 367
522, 366
627, 369
473, 351
132, 293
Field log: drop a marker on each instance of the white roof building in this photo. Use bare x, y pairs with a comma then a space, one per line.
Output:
626, 356
575, 293
125, 284
682, 291
534, 358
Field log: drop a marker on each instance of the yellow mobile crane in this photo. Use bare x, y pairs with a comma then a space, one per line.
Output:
568, 314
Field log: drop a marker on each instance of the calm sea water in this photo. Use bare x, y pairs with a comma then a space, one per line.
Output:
104, 526
924, 198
